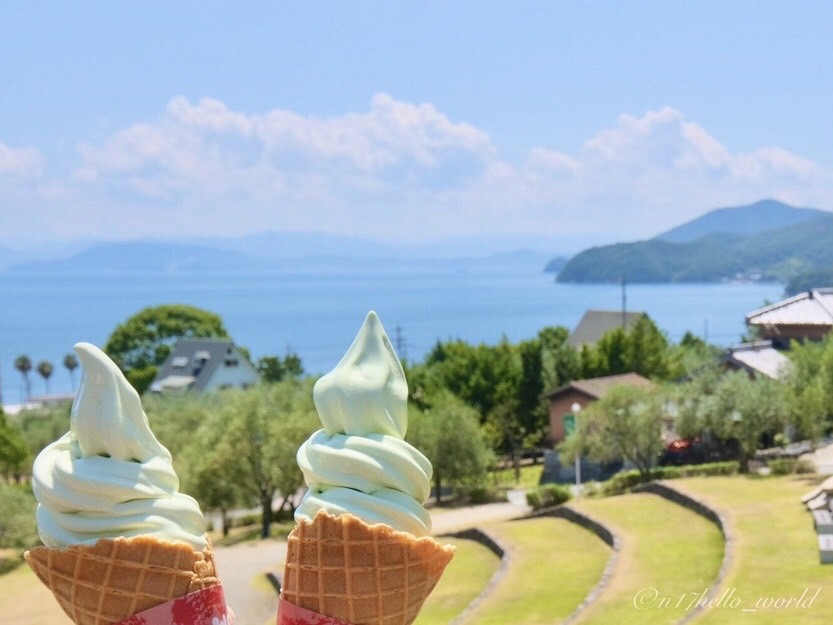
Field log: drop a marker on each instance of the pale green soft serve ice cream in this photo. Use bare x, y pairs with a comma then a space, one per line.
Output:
109, 476
359, 462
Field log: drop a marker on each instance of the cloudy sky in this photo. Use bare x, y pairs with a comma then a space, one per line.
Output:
560, 124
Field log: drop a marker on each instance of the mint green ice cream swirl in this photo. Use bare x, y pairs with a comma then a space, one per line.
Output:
359, 463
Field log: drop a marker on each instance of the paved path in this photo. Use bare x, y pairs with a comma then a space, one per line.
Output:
243, 567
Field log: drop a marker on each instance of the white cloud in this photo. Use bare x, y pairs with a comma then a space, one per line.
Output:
406, 171
20, 162
646, 174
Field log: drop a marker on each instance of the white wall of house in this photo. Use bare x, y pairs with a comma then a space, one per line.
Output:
240, 375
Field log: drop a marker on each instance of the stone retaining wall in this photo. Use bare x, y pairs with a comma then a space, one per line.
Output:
603, 532
495, 547
663, 489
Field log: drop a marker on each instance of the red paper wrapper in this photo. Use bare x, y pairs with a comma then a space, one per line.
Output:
291, 614
203, 607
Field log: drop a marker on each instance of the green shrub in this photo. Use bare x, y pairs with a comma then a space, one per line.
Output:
805, 465
782, 466
476, 495
788, 466
547, 496
623, 482
18, 529
10, 564
247, 519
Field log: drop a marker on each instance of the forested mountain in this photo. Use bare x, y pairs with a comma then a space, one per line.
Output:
800, 241
741, 220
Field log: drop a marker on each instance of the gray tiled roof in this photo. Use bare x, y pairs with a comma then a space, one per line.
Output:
595, 323
760, 357
202, 358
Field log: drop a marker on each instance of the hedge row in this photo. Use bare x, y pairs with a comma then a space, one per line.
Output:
626, 480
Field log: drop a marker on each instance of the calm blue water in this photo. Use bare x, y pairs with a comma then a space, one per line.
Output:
317, 313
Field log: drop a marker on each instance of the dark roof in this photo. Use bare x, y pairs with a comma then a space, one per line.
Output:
596, 388
595, 323
201, 357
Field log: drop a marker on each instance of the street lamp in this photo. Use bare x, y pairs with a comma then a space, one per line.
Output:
576, 408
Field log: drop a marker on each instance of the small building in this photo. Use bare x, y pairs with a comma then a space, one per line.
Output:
596, 323
807, 316
584, 392
757, 359
204, 365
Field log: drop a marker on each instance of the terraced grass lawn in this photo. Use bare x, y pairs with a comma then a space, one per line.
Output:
554, 565
776, 552
464, 578
664, 547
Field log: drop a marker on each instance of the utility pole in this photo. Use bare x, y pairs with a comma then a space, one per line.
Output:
401, 347
624, 303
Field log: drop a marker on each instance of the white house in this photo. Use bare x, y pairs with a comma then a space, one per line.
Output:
204, 365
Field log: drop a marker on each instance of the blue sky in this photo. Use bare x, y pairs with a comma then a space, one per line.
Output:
549, 123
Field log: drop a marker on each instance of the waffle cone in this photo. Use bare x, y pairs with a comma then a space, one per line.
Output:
116, 578
359, 573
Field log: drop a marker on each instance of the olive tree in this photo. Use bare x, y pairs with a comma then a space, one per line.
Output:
13, 449
447, 431
264, 426
626, 424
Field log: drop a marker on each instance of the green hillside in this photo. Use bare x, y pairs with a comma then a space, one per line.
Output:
742, 221
777, 254
654, 261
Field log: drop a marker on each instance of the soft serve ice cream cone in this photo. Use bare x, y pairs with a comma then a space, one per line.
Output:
119, 537
361, 551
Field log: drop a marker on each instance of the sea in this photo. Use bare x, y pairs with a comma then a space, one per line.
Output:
316, 312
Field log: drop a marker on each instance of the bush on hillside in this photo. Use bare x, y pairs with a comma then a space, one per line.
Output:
788, 466
477, 495
547, 496
18, 529
626, 481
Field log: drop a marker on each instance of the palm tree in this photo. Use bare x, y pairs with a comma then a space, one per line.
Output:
71, 363
45, 370
23, 364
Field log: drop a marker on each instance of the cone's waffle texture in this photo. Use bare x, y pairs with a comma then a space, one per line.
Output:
116, 578
359, 573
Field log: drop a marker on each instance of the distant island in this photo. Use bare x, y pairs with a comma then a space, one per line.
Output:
767, 240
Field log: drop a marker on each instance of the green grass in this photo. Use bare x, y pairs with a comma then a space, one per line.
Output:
554, 564
664, 547
465, 577
530, 477
776, 551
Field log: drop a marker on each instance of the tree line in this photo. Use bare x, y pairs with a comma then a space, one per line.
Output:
469, 405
